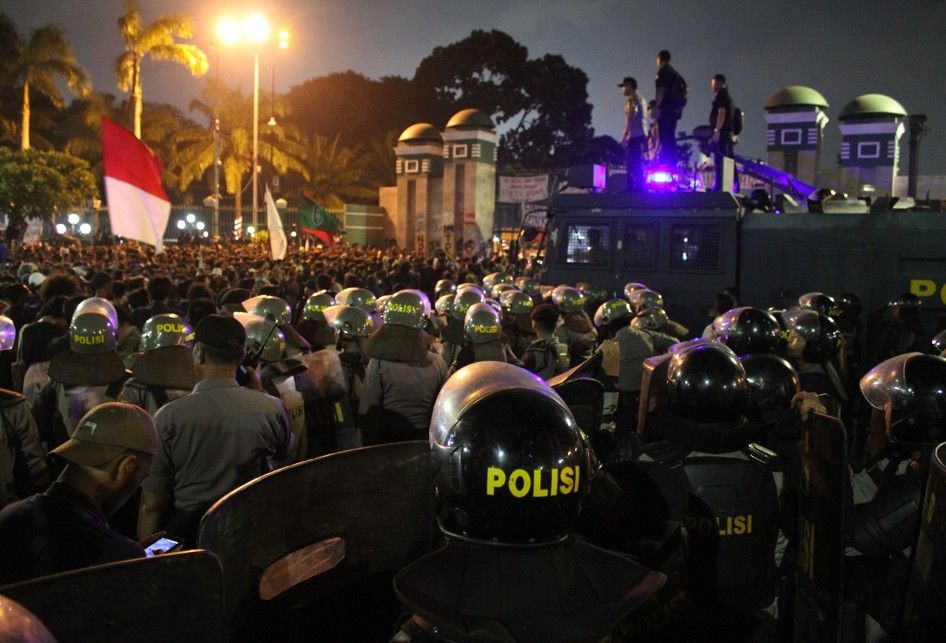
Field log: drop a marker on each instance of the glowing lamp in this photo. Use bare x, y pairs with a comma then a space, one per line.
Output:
191, 217
85, 228
181, 225
72, 218
256, 28
283, 38
662, 179
201, 225
250, 230
228, 31
61, 228
206, 234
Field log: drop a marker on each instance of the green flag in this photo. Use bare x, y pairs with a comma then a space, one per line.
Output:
313, 217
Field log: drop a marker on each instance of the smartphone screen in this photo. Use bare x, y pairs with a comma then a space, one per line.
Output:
161, 546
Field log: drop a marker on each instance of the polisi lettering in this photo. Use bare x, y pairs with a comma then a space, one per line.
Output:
485, 329
538, 483
89, 340
927, 288
169, 328
401, 308
740, 525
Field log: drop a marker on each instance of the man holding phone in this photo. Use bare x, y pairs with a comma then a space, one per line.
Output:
66, 527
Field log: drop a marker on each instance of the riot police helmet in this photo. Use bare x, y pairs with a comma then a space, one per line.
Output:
498, 289
495, 305
315, 304
358, 297
819, 332
568, 299
99, 306
529, 286
772, 384
494, 278
631, 288
481, 324
706, 400
906, 303
747, 330
465, 298
613, 311
350, 321
650, 319
271, 307
511, 467
92, 333
444, 287
910, 390
7, 334
409, 308
849, 305
823, 303
514, 302
444, 304
164, 330
939, 341
645, 299
264, 340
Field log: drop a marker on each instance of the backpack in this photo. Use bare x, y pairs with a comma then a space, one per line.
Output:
737, 120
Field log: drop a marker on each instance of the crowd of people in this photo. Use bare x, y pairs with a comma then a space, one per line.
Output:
142, 388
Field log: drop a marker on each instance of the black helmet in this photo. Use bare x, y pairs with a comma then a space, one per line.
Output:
359, 297
444, 287
772, 382
409, 308
568, 299
7, 334
444, 305
315, 304
747, 330
824, 304
631, 288
512, 467
612, 311
263, 337
515, 302
350, 321
849, 305
911, 390
939, 341
646, 299
164, 330
650, 319
91, 333
821, 334
465, 298
706, 400
481, 324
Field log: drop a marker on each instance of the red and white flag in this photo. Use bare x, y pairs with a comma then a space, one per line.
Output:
138, 206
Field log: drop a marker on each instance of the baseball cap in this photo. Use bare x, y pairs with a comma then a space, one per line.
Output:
107, 430
221, 332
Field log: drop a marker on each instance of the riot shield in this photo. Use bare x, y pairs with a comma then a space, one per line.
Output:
314, 546
172, 597
588, 368
653, 389
924, 618
584, 397
819, 575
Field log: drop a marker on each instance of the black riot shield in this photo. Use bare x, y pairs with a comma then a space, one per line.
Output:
588, 368
171, 597
819, 575
313, 547
584, 396
924, 618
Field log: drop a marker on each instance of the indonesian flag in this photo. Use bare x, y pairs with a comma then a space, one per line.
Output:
138, 206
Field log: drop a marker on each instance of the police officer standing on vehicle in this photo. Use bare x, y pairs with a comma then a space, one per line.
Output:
669, 101
721, 120
634, 139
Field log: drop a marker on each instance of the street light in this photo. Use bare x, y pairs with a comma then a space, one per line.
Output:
180, 224
61, 228
191, 217
72, 218
201, 225
85, 229
250, 230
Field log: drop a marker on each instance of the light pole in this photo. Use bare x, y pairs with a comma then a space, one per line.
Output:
227, 33
256, 29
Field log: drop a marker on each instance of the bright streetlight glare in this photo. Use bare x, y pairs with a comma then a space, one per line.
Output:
256, 28
228, 31
180, 224
283, 38
250, 230
293, 234
206, 234
191, 217
61, 228
85, 228
201, 225
72, 218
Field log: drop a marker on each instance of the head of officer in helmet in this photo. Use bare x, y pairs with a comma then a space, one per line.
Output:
279, 311
92, 358
813, 338
706, 399
772, 385
612, 316
165, 359
571, 304
313, 326
908, 397
403, 336
748, 330
517, 307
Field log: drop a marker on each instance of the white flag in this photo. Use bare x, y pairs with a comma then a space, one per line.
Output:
277, 236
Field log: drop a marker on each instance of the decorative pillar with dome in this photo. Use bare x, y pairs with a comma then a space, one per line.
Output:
469, 179
871, 127
419, 170
795, 121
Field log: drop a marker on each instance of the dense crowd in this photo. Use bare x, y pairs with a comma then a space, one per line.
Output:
142, 388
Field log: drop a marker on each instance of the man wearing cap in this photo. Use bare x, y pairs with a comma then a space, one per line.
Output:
66, 527
635, 134
212, 440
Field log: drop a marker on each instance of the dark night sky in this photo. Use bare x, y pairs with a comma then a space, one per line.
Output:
843, 48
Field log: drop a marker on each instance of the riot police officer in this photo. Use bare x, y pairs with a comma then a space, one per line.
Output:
164, 370
747, 330
511, 470
517, 321
452, 336
313, 326
268, 306
353, 326
813, 342
403, 375
481, 326
612, 316
576, 330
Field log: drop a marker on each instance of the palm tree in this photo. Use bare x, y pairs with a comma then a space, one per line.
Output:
156, 40
193, 148
43, 58
337, 172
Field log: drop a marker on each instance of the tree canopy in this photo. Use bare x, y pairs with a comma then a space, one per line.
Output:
41, 184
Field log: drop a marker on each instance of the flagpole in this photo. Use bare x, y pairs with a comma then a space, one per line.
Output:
255, 135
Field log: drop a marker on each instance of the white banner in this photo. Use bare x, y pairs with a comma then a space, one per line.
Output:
523, 189
34, 230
